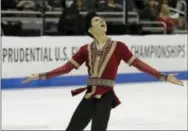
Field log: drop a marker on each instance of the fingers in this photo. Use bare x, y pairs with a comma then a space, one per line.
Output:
171, 78
30, 78
178, 82
174, 74
26, 80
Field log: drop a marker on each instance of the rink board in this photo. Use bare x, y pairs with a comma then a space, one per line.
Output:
26, 55
80, 80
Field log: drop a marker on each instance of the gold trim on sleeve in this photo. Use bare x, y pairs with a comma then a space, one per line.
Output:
74, 63
131, 60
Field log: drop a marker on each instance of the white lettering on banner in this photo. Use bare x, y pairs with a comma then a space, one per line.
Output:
27, 55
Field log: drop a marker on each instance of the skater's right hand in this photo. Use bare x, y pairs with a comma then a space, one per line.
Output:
31, 78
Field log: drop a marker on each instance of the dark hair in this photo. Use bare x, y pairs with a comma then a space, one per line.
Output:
88, 19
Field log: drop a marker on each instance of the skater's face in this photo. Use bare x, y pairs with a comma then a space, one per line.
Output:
98, 26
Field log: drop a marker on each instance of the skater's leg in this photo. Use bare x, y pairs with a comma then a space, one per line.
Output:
102, 113
82, 115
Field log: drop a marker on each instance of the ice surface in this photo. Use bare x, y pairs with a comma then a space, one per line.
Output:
144, 106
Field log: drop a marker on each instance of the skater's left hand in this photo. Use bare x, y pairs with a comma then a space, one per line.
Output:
172, 79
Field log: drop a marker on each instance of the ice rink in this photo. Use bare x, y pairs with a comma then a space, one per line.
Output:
144, 106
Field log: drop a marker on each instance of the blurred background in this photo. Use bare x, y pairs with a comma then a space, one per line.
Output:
65, 17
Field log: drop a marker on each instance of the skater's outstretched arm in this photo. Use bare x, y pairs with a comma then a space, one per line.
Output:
47, 75
129, 58
58, 71
75, 62
142, 66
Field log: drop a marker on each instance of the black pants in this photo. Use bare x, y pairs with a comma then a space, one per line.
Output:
97, 110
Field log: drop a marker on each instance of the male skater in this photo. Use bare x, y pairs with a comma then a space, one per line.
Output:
102, 58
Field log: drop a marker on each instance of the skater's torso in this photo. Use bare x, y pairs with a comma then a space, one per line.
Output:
102, 64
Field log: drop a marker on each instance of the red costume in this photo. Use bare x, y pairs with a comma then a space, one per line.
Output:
102, 64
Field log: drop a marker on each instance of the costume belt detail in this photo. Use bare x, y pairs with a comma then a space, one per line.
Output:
96, 71
100, 82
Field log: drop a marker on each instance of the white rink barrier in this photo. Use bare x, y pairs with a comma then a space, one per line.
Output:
22, 56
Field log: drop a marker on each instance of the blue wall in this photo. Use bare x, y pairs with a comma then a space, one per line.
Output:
63, 81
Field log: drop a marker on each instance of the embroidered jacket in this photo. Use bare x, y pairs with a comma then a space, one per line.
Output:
102, 64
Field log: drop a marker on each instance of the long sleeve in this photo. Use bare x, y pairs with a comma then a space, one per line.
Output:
79, 57
60, 70
142, 66
77, 60
132, 60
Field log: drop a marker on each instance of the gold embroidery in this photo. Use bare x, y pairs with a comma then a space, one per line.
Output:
95, 72
96, 65
107, 59
74, 63
88, 95
131, 60
89, 59
104, 53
